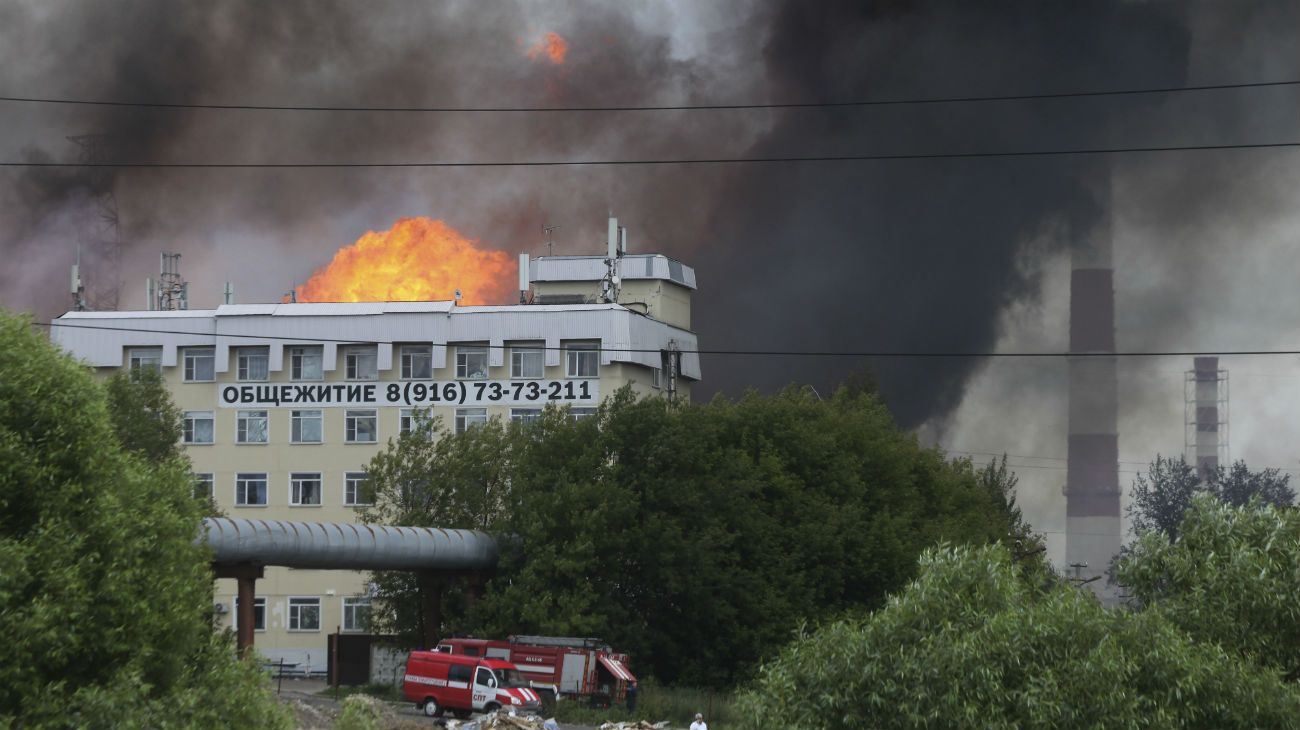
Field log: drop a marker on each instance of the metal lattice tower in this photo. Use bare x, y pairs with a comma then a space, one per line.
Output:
101, 238
1205, 415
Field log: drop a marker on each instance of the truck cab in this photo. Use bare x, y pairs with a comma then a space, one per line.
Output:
437, 682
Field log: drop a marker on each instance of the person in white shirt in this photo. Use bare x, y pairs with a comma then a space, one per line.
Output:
699, 723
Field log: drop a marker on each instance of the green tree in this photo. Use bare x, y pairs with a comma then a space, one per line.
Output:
694, 537
981, 641
434, 478
144, 417
1162, 496
105, 600
1228, 579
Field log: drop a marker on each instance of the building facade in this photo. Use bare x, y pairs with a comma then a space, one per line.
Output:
285, 404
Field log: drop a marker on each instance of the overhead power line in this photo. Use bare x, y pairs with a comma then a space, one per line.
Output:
673, 161
651, 107
917, 354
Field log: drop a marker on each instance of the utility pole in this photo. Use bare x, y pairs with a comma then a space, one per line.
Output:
1078, 580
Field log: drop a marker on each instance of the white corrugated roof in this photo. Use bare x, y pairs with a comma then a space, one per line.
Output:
592, 268
141, 314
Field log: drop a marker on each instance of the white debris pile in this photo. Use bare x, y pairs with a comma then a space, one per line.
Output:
637, 725
501, 721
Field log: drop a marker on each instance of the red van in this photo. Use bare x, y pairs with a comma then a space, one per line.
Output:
436, 682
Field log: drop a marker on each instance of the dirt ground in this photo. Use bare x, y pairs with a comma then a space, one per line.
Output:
316, 711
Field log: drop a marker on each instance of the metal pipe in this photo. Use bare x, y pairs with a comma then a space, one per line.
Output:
346, 546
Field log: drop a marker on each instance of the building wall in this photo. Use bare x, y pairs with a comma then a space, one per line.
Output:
334, 457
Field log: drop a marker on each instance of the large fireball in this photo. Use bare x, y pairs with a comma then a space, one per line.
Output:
418, 259
551, 48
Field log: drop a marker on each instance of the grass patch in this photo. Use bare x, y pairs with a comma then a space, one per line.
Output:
678, 705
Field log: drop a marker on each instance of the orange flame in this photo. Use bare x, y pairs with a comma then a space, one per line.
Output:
552, 47
418, 259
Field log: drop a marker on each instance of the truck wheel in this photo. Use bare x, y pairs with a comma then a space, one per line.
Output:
431, 708
491, 707
547, 698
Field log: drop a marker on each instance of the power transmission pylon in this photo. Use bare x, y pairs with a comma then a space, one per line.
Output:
101, 238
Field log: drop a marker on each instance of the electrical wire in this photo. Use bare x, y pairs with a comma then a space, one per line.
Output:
68, 324
648, 107
672, 161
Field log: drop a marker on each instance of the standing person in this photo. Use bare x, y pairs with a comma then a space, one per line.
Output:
699, 723
631, 697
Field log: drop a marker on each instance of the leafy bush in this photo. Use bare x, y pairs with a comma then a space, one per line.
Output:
978, 641
105, 600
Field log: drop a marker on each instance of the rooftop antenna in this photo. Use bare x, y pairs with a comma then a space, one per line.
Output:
609, 286
228, 296
172, 291
458, 295
550, 238
291, 296
523, 278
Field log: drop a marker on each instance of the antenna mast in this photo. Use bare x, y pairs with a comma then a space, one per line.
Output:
550, 238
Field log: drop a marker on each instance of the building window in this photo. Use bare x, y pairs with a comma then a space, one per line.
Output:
250, 427
250, 490
304, 614
412, 418
259, 614
203, 487
305, 363
472, 362
583, 361
525, 415
467, 418
200, 365
362, 363
356, 613
578, 414
197, 427
305, 427
656, 377
355, 493
417, 362
304, 489
526, 363
251, 363
139, 358
362, 427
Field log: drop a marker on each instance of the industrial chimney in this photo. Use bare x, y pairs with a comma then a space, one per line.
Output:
1092, 493
1205, 413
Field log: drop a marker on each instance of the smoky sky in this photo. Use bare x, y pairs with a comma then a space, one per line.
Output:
869, 256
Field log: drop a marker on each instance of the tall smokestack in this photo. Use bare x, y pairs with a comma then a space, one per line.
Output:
1206, 415
1092, 491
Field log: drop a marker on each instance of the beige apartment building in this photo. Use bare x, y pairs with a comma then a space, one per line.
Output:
285, 404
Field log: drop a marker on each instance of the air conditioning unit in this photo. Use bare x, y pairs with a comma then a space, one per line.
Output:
219, 608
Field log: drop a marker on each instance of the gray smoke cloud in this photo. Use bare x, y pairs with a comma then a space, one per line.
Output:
909, 255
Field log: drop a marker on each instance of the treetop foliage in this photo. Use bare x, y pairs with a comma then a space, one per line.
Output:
1229, 578
1162, 496
696, 538
105, 600
980, 640
144, 418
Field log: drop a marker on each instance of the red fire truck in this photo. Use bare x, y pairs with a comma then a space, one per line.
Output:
563, 667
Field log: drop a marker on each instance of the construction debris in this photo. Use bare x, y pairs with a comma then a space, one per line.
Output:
505, 721
499, 720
